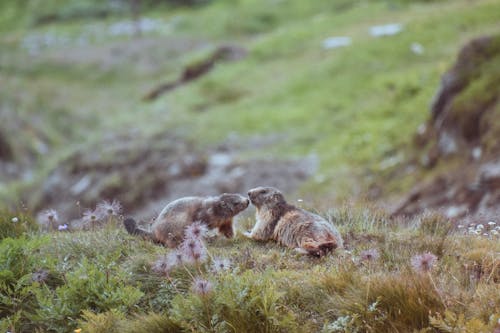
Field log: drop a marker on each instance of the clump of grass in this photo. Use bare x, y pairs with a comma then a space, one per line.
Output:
14, 224
115, 322
238, 303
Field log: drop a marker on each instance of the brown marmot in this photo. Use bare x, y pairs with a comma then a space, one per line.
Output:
291, 226
214, 212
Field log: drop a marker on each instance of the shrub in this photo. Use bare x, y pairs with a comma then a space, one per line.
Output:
86, 288
246, 303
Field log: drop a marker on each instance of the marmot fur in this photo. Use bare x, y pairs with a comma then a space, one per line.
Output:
214, 212
291, 226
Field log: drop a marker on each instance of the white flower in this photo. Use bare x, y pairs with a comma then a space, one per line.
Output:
15, 220
491, 223
480, 226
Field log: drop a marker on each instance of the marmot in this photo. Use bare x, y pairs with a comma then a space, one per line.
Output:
291, 226
214, 212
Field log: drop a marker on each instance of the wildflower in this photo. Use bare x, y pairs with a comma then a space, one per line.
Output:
40, 276
160, 265
494, 232
369, 255
492, 223
201, 286
91, 217
196, 230
108, 208
220, 264
48, 218
174, 258
62, 227
78, 330
480, 226
423, 262
14, 220
193, 250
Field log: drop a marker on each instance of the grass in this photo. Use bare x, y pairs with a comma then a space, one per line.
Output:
105, 279
354, 107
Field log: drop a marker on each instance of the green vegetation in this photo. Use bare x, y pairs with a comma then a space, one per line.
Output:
72, 74
106, 280
355, 107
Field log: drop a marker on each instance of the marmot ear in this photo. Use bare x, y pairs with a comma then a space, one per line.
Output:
276, 197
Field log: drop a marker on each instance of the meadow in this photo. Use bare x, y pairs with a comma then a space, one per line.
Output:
73, 74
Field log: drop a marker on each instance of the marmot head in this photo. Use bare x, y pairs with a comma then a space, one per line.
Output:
230, 204
268, 196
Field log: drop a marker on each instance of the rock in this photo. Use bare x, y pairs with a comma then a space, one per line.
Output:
386, 29
336, 42
145, 176
489, 175
463, 124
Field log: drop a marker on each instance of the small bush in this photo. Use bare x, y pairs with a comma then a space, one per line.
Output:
86, 288
246, 303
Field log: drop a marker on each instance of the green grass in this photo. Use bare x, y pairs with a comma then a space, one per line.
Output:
354, 107
104, 280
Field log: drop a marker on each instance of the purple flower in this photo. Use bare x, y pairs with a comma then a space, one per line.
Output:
423, 262
196, 230
91, 217
369, 255
48, 219
160, 265
108, 208
174, 258
201, 286
40, 276
62, 227
219, 265
193, 250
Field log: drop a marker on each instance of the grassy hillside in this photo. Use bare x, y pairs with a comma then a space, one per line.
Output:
354, 107
72, 81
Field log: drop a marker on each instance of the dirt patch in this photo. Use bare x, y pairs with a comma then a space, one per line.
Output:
461, 138
146, 173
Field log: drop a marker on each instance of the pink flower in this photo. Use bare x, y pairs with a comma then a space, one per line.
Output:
160, 265
107, 208
201, 286
423, 262
193, 250
48, 219
174, 258
369, 255
219, 265
91, 217
196, 230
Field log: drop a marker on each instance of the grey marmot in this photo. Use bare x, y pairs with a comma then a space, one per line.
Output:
289, 225
214, 212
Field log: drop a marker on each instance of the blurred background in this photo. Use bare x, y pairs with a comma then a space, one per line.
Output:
391, 102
